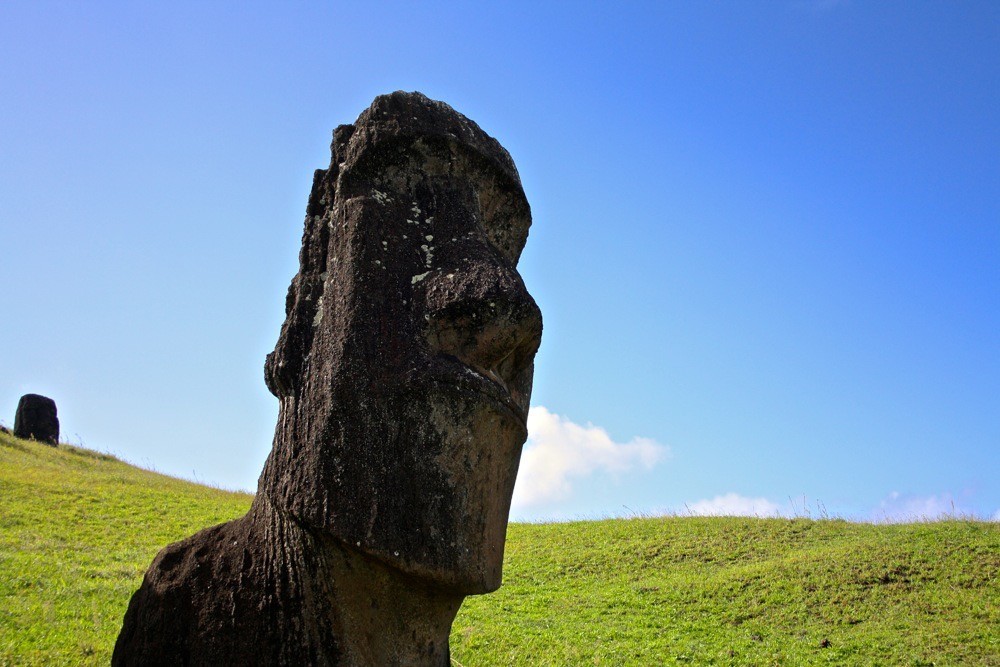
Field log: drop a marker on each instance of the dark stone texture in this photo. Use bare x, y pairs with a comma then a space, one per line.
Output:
36, 419
403, 371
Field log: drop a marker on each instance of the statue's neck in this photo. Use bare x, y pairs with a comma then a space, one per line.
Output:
388, 618
380, 615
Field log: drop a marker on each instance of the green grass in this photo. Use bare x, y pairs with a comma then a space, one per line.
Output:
730, 591
77, 529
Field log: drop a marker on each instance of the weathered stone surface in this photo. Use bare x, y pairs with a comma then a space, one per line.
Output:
36, 418
403, 371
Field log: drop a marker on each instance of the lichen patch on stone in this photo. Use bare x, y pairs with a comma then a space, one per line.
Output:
318, 317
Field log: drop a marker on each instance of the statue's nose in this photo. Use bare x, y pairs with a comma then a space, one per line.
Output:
483, 316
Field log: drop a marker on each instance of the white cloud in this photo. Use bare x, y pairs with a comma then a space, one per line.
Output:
733, 504
900, 508
996, 516
559, 451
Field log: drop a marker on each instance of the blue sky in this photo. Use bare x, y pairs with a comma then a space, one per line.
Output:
766, 236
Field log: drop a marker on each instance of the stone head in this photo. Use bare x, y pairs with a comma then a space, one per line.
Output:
405, 363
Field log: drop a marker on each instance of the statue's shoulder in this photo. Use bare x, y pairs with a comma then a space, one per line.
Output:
186, 592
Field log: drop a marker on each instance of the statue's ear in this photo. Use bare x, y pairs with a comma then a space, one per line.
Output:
282, 368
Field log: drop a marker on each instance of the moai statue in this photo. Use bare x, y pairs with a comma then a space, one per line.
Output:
36, 418
403, 372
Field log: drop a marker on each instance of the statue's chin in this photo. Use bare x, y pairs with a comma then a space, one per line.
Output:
470, 572
476, 581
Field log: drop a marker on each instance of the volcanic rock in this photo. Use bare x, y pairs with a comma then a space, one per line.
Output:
36, 419
403, 372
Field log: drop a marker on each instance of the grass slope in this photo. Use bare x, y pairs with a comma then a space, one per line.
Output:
77, 529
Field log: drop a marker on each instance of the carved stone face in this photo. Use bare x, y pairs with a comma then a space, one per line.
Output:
404, 404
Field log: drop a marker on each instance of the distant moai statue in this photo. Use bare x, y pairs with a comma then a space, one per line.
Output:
403, 371
36, 419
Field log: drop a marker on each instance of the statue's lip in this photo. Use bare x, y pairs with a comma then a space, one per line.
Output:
499, 393
468, 378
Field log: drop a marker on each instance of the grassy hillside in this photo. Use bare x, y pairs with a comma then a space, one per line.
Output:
77, 529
